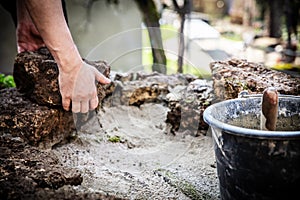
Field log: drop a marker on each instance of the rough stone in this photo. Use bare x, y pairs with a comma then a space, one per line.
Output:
33, 111
36, 76
32, 121
38, 125
233, 76
138, 88
187, 108
185, 95
27, 172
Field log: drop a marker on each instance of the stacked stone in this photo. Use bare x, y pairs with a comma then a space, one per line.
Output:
33, 110
185, 95
233, 76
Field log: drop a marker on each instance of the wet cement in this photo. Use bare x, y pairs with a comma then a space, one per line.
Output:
132, 156
253, 121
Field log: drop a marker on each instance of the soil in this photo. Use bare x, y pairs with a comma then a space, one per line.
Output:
124, 152
128, 150
133, 157
147, 140
130, 157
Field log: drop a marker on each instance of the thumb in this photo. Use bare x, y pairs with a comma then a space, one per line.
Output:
101, 78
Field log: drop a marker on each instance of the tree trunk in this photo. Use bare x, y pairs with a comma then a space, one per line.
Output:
182, 11
181, 45
276, 12
151, 19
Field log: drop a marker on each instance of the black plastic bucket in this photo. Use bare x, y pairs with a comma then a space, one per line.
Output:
251, 163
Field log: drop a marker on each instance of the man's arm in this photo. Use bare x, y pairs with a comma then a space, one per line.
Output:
49, 19
76, 78
28, 37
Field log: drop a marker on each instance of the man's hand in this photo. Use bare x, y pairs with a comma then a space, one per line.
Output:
76, 78
79, 88
28, 37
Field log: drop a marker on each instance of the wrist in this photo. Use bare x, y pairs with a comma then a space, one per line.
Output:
68, 60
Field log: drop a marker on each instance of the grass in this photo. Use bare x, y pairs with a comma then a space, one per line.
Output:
231, 35
167, 32
171, 64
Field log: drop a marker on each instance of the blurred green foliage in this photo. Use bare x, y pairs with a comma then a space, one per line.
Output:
7, 81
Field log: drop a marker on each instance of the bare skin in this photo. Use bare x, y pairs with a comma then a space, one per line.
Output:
43, 24
28, 37
269, 109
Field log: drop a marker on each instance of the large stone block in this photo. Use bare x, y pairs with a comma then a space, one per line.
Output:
39, 125
33, 110
233, 76
36, 76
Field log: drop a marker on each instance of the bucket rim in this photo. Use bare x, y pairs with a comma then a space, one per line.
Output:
212, 122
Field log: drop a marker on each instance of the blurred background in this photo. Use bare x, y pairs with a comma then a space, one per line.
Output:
173, 36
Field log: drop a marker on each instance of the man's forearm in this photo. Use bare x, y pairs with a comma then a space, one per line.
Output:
49, 20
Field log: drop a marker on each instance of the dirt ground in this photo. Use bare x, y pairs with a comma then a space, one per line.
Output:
129, 150
133, 157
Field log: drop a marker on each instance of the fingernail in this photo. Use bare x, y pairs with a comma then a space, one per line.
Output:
66, 109
107, 80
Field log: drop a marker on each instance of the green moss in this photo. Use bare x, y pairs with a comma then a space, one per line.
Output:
206, 103
114, 139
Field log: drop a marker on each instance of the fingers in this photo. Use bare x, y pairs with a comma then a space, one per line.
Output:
84, 91
93, 103
66, 102
84, 106
85, 103
20, 49
76, 106
101, 78
80, 106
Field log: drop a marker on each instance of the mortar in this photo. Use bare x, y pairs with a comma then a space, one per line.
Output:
252, 163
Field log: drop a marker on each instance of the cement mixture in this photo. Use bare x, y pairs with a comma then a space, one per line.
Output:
133, 157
